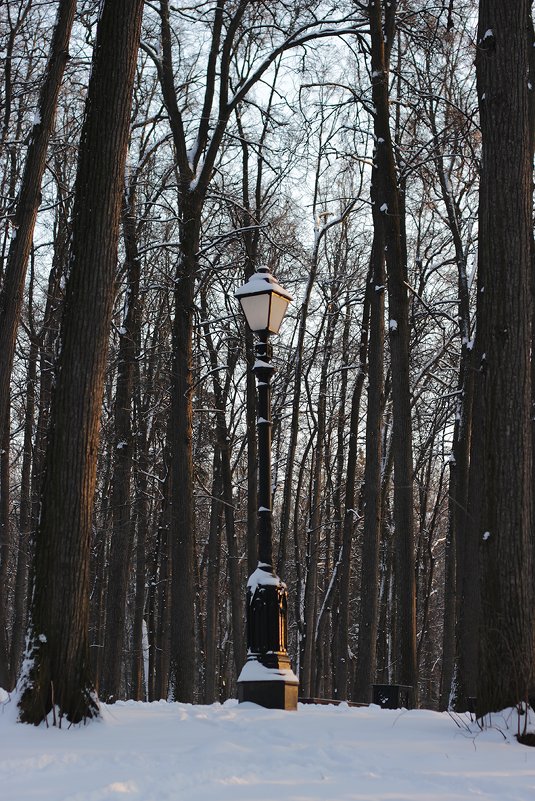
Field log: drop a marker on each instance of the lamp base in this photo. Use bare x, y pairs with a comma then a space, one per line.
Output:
269, 694
273, 685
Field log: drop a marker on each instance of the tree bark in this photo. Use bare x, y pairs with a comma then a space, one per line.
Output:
315, 518
28, 201
371, 536
341, 641
225, 467
21, 578
388, 201
5, 547
59, 673
121, 504
503, 525
211, 689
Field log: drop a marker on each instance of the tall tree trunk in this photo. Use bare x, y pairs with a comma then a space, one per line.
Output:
59, 672
224, 448
371, 535
341, 640
288, 493
458, 522
121, 504
212, 584
21, 577
307, 680
162, 634
388, 201
503, 524
29, 198
5, 542
183, 656
142, 525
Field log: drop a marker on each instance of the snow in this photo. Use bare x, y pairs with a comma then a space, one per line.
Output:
253, 670
259, 363
167, 751
263, 577
393, 325
262, 282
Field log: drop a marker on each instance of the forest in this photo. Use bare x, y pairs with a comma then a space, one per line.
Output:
377, 158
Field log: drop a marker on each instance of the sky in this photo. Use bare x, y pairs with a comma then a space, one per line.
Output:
170, 751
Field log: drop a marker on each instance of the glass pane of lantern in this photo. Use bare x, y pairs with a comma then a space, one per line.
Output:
256, 309
278, 310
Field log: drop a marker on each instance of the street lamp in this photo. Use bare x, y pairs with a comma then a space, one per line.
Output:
267, 677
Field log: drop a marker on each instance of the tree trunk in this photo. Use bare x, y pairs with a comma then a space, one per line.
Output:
341, 640
121, 504
458, 522
211, 689
29, 198
183, 657
371, 536
5, 543
21, 578
504, 524
388, 201
142, 525
59, 673
224, 448
314, 538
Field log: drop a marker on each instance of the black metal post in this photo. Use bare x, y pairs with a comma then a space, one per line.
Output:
263, 370
267, 678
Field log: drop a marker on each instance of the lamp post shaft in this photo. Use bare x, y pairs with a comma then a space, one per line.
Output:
263, 370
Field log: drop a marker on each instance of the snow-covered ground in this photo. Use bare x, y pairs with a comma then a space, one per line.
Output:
160, 751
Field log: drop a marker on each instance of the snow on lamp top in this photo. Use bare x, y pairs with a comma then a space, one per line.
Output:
264, 302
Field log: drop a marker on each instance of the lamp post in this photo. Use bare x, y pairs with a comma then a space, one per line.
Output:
267, 677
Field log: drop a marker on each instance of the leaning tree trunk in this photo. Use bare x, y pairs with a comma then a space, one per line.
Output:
58, 673
503, 388
29, 198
